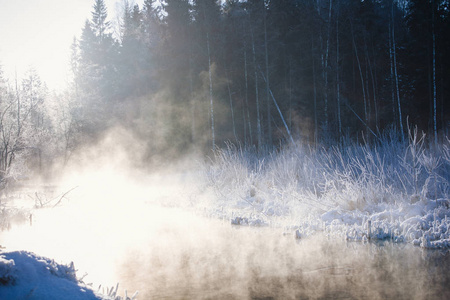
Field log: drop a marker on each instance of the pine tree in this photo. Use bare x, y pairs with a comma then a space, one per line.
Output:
88, 71
207, 24
99, 24
152, 26
97, 72
134, 61
177, 55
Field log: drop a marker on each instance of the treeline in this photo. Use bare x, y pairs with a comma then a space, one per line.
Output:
195, 74
255, 72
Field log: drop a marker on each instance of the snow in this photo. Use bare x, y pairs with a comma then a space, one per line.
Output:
425, 224
25, 275
356, 194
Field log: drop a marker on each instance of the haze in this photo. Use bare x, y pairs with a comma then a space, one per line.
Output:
39, 33
248, 150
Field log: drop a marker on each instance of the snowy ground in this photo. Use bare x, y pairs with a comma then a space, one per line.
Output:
24, 275
424, 223
392, 192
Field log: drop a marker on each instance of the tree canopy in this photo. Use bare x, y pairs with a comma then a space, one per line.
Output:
189, 75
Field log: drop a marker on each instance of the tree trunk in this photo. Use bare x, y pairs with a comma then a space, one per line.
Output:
361, 76
231, 106
258, 116
246, 95
374, 89
315, 92
434, 74
338, 97
391, 61
326, 68
269, 115
279, 112
213, 134
18, 107
396, 76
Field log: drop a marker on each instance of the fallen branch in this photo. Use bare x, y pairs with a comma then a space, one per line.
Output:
279, 111
63, 196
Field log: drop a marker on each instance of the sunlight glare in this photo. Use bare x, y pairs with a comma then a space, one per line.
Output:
105, 217
39, 34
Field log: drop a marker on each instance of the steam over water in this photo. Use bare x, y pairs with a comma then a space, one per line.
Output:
204, 259
137, 236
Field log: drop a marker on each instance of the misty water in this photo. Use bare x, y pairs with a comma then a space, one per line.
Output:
167, 251
206, 259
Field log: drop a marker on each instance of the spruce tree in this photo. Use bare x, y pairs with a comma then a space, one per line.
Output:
99, 24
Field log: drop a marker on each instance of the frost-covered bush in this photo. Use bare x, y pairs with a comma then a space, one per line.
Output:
9, 215
344, 186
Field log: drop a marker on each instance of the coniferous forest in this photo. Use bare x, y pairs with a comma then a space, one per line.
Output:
195, 75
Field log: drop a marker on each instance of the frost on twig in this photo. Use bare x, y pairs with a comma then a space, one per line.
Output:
42, 201
111, 293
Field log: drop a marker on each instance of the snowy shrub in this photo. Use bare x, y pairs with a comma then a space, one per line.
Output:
9, 215
339, 188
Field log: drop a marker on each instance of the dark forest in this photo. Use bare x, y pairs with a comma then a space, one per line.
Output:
261, 72
194, 76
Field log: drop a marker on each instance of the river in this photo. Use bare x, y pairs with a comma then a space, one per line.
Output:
171, 253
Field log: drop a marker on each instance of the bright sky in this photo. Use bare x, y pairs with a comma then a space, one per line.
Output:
39, 33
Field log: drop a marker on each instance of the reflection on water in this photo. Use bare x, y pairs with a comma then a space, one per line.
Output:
213, 260
167, 253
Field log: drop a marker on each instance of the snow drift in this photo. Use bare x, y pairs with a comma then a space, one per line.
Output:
24, 275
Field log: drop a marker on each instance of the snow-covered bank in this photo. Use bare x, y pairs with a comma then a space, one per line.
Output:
144, 233
24, 275
391, 190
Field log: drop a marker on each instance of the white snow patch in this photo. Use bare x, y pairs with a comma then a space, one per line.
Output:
24, 275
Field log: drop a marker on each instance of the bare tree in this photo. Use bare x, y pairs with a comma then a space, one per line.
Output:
22, 127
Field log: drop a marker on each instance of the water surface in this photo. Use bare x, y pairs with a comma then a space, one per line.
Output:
169, 253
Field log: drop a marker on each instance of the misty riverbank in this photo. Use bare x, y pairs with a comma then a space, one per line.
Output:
201, 259
168, 252
304, 226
